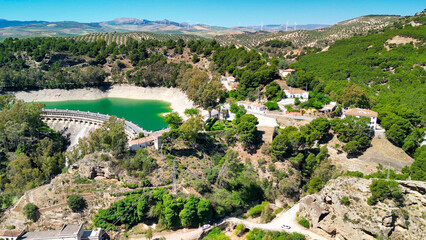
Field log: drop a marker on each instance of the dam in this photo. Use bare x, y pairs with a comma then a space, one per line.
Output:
75, 124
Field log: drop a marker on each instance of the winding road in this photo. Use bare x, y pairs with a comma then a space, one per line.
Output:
287, 218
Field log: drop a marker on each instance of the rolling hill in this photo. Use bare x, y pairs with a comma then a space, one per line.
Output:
313, 38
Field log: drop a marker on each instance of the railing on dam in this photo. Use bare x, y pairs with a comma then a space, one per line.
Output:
131, 129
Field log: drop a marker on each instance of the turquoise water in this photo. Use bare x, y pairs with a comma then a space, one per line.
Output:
145, 113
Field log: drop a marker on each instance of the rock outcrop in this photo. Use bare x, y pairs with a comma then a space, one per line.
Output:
355, 219
91, 166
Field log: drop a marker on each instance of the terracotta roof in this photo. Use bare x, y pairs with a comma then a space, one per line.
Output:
11, 233
295, 91
144, 139
360, 112
254, 104
289, 70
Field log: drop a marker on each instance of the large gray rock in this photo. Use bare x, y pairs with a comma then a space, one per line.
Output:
89, 167
358, 220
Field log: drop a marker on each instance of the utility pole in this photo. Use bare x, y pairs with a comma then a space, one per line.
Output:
258, 95
174, 177
388, 170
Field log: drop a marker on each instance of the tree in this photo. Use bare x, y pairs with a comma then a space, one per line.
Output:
247, 130
195, 58
191, 112
190, 129
281, 147
354, 95
188, 215
238, 111
272, 90
5, 101
271, 105
31, 212
205, 211
76, 203
173, 120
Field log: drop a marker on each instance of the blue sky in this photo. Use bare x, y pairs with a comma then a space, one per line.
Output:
213, 12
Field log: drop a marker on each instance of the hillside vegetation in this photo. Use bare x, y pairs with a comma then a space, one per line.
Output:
374, 71
313, 38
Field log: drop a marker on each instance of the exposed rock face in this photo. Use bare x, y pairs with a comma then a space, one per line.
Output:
358, 220
91, 167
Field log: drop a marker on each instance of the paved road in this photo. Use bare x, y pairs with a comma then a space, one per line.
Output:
185, 234
287, 218
269, 114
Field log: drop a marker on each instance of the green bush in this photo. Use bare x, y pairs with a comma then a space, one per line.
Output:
216, 234
345, 201
354, 174
258, 234
239, 228
31, 212
302, 221
257, 210
76, 203
271, 105
382, 189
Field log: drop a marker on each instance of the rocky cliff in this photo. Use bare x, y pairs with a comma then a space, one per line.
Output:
340, 210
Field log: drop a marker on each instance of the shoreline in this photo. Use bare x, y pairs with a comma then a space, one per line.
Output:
178, 100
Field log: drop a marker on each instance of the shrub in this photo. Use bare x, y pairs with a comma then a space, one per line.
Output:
302, 221
271, 105
257, 210
216, 234
382, 189
76, 203
345, 201
354, 174
239, 228
31, 212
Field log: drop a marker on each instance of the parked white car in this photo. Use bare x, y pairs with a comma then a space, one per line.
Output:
285, 227
206, 226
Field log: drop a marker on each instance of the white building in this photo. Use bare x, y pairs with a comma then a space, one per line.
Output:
145, 142
286, 72
359, 112
12, 234
296, 93
328, 107
252, 106
67, 232
229, 83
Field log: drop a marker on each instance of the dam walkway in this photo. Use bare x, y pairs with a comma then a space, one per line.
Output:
131, 129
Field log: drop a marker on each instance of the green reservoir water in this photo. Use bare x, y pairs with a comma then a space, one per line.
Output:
145, 113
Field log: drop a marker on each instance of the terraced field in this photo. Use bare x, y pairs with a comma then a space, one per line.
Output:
313, 38
121, 38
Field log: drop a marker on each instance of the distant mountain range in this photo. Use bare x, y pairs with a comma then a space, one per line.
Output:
70, 28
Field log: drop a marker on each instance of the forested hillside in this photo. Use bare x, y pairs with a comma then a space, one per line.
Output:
384, 70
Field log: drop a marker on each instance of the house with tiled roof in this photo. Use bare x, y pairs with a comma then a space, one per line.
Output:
286, 72
252, 106
67, 232
145, 142
11, 234
359, 112
296, 93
